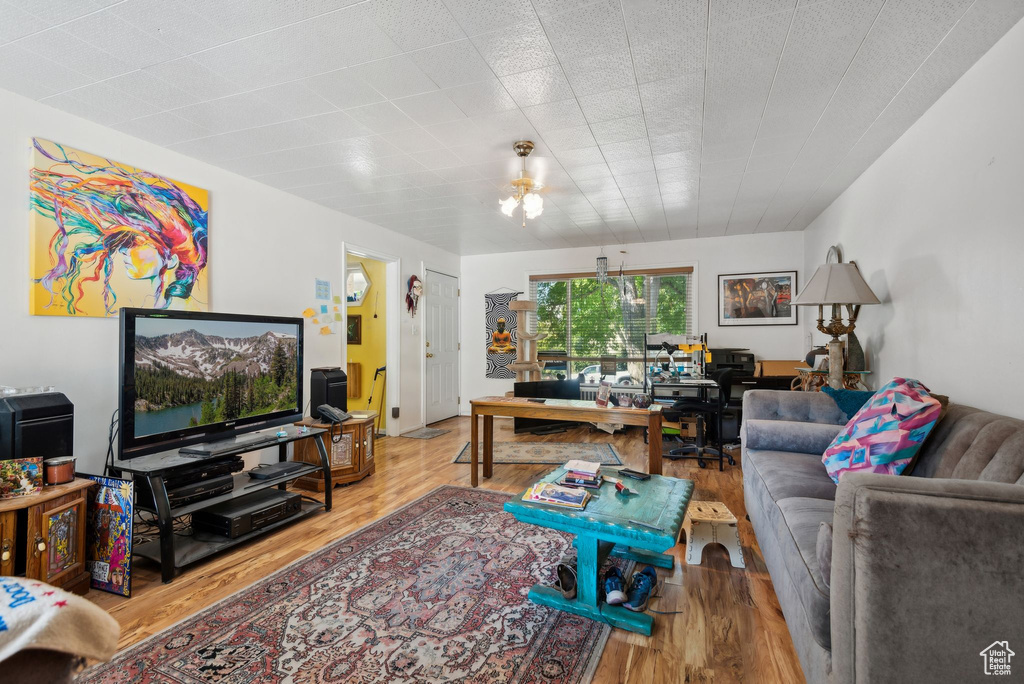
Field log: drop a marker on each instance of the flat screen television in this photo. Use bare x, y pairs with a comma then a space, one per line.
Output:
189, 377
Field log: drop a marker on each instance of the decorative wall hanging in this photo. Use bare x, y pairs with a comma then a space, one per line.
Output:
412, 296
105, 236
355, 329
501, 324
108, 555
757, 298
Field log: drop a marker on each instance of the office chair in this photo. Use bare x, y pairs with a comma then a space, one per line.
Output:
714, 407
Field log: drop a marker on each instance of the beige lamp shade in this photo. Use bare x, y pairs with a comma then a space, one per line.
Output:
836, 284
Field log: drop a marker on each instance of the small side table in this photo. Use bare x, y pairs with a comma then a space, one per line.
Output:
813, 380
50, 543
608, 527
710, 522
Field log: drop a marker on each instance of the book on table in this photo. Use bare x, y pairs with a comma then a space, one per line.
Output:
583, 468
546, 492
577, 480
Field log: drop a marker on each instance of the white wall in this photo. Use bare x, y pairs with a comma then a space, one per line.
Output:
711, 257
937, 228
265, 248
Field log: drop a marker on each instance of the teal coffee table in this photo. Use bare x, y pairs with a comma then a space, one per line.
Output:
603, 529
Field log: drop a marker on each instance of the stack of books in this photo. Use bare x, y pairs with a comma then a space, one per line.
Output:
582, 474
546, 492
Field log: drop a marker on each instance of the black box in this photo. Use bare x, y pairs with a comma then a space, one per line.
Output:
247, 513
36, 425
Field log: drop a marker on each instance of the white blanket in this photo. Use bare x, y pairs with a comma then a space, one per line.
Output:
36, 615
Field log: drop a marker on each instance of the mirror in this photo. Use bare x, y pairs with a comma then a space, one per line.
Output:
357, 284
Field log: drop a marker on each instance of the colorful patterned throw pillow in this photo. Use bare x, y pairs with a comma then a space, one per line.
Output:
886, 433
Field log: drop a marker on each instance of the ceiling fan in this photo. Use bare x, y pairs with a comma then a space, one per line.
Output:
524, 188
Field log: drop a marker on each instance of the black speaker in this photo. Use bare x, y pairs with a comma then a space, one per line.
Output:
36, 425
328, 386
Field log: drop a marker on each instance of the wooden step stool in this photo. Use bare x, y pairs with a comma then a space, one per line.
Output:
710, 522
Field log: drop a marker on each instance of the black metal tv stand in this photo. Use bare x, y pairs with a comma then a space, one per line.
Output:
173, 552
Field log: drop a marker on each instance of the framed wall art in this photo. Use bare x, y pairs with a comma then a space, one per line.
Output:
757, 298
355, 329
104, 235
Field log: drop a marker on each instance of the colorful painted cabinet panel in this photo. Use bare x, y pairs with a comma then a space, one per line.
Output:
55, 548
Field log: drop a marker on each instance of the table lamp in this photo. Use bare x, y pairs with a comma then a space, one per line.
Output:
836, 284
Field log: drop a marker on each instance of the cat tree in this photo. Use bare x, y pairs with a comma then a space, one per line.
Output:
526, 365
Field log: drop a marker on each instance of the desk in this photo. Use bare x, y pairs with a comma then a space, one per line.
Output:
603, 528
560, 409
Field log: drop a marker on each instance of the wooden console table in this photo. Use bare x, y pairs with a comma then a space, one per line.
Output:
53, 545
560, 409
351, 456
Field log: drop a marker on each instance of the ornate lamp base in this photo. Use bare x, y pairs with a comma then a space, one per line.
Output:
835, 363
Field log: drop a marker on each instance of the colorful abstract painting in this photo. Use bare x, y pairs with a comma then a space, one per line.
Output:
108, 536
105, 236
757, 299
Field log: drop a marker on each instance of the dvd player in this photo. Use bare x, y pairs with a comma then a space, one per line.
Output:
186, 494
248, 513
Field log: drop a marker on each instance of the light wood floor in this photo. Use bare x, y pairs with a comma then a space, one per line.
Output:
730, 629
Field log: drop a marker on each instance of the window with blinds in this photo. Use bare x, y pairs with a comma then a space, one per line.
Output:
588, 320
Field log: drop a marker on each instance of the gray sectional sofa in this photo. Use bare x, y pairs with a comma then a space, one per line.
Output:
925, 571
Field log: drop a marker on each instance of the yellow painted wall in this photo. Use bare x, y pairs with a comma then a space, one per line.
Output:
372, 353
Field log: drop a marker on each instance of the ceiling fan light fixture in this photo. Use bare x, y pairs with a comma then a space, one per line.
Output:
522, 188
508, 206
533, 205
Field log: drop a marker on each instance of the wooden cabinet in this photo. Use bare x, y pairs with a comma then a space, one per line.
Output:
51, 547
351, 449
8, 539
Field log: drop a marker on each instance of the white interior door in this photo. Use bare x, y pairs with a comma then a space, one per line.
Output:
441, 331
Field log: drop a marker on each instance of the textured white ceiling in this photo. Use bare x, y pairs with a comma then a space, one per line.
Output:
654, 119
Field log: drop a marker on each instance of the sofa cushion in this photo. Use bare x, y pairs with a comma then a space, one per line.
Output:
798, 539
848, 401
886, 433
785, 474
789, 435
974, 445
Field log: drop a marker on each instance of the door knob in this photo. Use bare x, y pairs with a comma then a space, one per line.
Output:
429, 355
428, 344
40, 545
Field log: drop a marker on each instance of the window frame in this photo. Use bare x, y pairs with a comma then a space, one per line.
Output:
682, 268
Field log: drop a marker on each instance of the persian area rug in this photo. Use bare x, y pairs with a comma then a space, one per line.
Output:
552, 453
426, 433
434, 592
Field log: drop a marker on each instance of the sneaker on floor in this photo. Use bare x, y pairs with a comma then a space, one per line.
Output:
640, 590
614, 587
566, 573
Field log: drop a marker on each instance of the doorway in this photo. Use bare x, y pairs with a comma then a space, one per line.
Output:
441, 340
368, 333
